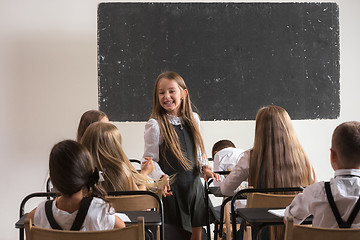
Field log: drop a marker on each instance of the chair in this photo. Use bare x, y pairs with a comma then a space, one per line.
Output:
124, 201
303, 232
135, 232
136, 163
262, 198
218, 219
22, 211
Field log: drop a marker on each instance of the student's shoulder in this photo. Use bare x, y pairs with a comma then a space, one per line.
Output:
315, 189
196, 115
151, 124
98, 204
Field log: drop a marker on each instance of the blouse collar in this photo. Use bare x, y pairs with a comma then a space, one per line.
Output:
174, 120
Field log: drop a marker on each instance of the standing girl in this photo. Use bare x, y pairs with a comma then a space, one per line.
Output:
173, 140
73, 175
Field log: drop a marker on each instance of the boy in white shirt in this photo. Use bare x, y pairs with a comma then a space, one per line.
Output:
225, 157
343, 190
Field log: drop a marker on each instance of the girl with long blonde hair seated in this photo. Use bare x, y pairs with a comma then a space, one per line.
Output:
103, 140
276, 160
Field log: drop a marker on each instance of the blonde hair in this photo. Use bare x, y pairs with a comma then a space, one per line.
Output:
277, 158
103, 140
170, 137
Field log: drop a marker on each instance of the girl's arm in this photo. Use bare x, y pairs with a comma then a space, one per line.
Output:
152, 140
239, 174
203, 161
119, 223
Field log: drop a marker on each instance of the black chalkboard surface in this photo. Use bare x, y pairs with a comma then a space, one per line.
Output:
234, 57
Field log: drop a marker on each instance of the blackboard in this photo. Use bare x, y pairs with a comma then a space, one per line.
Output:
234, 57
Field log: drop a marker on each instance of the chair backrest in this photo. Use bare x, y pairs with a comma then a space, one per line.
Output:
136, 163
133, 202
138, 201
266, 204
305, 232
134, 232
268, 200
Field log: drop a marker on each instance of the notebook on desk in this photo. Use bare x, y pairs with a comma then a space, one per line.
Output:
277, 212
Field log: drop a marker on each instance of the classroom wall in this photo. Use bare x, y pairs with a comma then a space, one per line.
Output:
48, 78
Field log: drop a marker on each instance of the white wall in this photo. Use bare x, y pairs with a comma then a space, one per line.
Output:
48, 77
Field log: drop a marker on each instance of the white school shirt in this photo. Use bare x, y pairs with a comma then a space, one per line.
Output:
99, 217
226, 159
239, 174
153, 138
345, 188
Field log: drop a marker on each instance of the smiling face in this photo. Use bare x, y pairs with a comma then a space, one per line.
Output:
170, 96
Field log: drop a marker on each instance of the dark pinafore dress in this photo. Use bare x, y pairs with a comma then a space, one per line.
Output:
186, 207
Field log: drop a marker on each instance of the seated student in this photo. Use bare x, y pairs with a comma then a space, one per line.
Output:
103, 140
74, 176
87, 118
225, 157
276, 160
344, 188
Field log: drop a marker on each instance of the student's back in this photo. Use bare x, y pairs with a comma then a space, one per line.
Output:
97, 218
276, 160
225, 156
75, 178
344, 187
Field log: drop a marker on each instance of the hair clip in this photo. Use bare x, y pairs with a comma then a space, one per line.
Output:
101, 175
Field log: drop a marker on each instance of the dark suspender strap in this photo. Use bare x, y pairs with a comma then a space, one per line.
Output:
80, 216
50, 216
334, 209
354, 213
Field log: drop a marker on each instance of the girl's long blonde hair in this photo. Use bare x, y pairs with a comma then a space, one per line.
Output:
277, 158
103, 140
170, 137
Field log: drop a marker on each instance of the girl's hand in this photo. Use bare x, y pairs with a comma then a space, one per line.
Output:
147, 166
209, 174
165, 186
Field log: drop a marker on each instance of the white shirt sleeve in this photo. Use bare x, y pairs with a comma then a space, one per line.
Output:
301, 207
239, 174
152, 140
203, 161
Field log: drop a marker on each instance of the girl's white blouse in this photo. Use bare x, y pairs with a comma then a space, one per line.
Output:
153, 138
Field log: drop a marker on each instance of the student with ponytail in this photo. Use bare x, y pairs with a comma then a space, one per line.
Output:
80, 204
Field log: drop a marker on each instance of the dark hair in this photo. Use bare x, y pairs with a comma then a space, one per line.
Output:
71, 169
86, 119
219, 145
346, 141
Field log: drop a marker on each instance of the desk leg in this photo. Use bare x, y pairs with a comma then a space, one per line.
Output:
227, 219
255, 228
